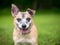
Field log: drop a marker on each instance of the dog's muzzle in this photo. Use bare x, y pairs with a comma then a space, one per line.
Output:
24, 30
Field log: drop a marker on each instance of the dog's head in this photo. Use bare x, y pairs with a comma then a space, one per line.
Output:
22, 20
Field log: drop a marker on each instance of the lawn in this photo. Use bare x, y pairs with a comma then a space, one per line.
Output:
48, 27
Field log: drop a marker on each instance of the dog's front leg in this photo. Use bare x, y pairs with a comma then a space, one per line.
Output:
33, 42
17, 42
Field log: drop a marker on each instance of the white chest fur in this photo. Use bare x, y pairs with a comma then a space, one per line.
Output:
25, 41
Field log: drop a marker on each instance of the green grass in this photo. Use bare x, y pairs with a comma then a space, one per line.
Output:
48, 27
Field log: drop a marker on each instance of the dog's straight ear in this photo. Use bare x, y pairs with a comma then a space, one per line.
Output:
31, 12
14, 10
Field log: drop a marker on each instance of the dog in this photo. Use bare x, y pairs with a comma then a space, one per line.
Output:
25, 32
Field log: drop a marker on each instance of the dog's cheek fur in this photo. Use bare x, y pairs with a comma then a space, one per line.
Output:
16, 24
29, 24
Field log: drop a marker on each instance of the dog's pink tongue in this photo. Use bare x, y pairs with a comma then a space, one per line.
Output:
23, 31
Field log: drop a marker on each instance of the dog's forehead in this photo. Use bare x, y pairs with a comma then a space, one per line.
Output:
23, 15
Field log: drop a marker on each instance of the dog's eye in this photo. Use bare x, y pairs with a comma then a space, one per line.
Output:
18, 19
28, 19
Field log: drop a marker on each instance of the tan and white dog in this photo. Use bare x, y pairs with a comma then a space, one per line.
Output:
25, 32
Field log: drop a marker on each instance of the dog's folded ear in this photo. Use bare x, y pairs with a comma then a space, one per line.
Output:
30, 11
14, 10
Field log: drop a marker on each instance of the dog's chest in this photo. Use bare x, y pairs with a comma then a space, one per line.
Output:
26, 41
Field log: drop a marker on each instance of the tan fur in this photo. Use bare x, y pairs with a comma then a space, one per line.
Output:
30, 38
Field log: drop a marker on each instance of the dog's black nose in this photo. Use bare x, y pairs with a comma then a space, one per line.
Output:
24, 26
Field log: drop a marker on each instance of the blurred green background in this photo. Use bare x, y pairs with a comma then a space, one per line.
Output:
47, 20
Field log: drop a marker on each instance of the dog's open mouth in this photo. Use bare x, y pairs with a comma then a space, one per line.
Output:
24, 31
